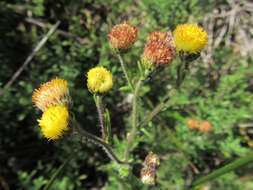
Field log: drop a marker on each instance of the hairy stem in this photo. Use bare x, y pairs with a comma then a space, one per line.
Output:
97, 141
100, 110
133, 131
123, 66
223, 170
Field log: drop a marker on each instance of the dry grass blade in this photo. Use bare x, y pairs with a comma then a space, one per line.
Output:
30, 57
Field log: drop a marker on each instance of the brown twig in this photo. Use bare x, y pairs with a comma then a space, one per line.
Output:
30, 57
60, 32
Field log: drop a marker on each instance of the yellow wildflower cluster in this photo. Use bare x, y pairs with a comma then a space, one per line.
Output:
53, 99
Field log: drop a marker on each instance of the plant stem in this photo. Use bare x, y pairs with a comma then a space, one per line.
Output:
181, 73
133, 131
123, 66
108, 126
100, 110
223, 170
97, 141
57, 172
157, 109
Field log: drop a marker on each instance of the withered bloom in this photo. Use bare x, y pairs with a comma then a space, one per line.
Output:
152, 160
148, 172
123, 36
51, 93
148, 176
164, 37
159, 48
205, 126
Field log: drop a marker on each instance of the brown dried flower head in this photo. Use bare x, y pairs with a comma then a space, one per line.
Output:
192, 123
159, 48
200, 125
123, 36
205, 126
165, 37
52, 93
148, 176
152, 160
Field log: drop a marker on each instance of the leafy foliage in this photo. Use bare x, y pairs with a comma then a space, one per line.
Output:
220, 93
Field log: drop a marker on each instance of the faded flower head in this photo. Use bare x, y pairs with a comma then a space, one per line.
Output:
164, 37
99, 80
205, 126
54, 122
192, 123
159, 49
54, 92
148, 176
152, 160
190, 38
202, 126
148, 172
123, 36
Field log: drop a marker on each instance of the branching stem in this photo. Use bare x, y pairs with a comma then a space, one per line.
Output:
97, 141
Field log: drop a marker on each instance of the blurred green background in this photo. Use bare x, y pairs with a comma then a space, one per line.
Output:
218, 88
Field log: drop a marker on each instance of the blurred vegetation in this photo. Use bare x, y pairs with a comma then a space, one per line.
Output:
217, 88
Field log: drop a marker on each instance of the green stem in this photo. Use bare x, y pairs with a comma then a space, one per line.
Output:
223, 170
123, 66
108, 126
181, 73
164, 103
134, 120
57, 173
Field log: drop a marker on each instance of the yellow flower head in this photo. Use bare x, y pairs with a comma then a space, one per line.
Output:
99, 80
123, 36
54, 92
54, 122
190, 38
